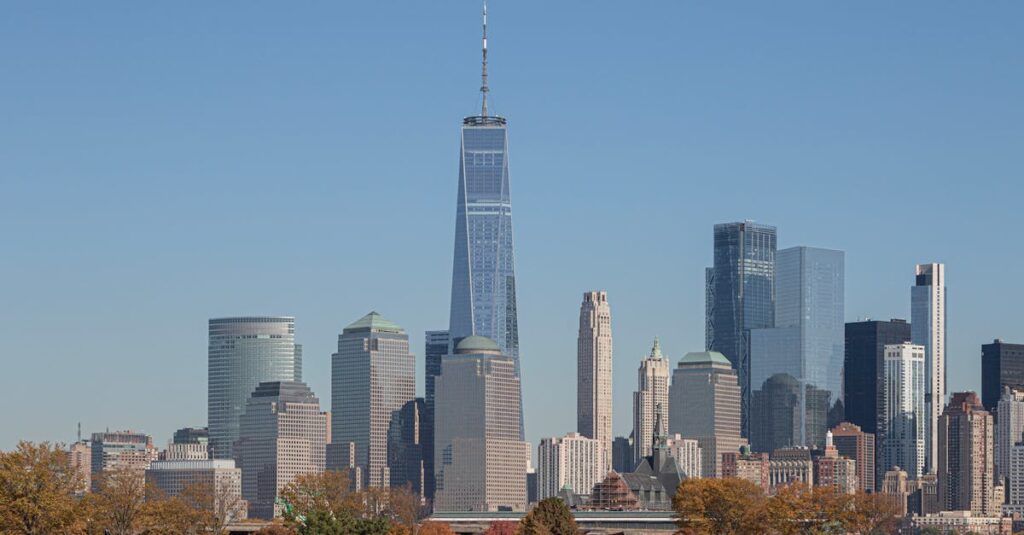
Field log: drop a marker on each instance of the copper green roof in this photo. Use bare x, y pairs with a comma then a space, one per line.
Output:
705, 357
374, 322
473, 344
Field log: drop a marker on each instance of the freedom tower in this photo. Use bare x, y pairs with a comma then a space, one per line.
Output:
483, 273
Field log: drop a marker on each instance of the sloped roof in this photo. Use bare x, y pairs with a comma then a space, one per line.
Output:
374, 322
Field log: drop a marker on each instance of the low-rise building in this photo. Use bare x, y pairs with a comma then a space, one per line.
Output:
790, 465
742, 464
216, 480
962, 523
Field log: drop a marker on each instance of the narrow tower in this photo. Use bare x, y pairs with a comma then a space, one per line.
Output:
928, 329
594, 371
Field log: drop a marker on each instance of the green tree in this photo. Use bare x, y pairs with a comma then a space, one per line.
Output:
728, 506
36, 490
554, 515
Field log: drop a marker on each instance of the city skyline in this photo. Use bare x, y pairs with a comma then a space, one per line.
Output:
141, 298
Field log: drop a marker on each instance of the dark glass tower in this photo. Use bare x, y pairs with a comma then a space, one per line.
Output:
743, 294
436, 348
1002, 364
864, 368
483, 271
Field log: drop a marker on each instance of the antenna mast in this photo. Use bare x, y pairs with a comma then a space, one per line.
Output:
483, 76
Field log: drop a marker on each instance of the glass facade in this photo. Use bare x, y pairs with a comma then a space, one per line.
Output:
244, 352
436, 347
742, 294
797, 367
863, 368
483, 273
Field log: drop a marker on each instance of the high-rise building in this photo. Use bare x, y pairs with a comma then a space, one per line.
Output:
902, 414
688, 455
1015, 480
594, 371
796, 367
709, 308
622, 454
373, 374
1009, 419
965, 467
1002, 365
864, 367
191, 435
928, 329
832, 469
221, 480
897, 487
853, 443
479, 460
244, 352
573, 461
436, 347
120, 450
742, 293
405, 447
80, 460
704, 404
282, 435
650, 401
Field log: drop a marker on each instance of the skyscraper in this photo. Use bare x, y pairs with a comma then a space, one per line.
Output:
479, 460
282, 435
650, 401
704, 404
244, 352
572, 461
965, 466
405, 447
797, 367
594, 371
742, 293
372, 376
436, 347
901, 418
853, 443
864, 368
1009, 419
1002, 365
928, 328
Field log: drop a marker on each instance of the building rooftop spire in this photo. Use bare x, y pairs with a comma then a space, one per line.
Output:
483, 75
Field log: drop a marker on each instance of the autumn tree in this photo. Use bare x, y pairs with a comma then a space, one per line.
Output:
873, 513
275, 529
326, 491
173, 515
501, 527
553, 515
435, 528
728, 506
36, 490
219, 500
120, 500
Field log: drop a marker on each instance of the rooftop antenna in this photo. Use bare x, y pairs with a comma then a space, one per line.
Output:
79, 431
483, 75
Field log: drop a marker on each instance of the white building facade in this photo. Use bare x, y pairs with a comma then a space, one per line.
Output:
901, 418
928, 329
650, 397
594, 371
573, 461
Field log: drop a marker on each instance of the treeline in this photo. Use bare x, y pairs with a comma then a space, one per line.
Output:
738, 507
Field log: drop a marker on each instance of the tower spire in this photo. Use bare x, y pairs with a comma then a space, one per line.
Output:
483, 75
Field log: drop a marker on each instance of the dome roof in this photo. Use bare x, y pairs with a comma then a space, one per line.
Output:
477, 344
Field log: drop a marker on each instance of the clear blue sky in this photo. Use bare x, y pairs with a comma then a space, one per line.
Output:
161, 164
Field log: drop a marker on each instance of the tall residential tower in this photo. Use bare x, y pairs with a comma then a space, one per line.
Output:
928, 329
594, 371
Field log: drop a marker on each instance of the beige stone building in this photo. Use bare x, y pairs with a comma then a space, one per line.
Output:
965, 468
650, 397
594, 371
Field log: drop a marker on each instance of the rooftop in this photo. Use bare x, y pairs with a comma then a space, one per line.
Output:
705, 357
477, 344
374, 322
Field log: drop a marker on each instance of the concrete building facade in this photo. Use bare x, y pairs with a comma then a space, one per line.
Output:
650, 397
594, 370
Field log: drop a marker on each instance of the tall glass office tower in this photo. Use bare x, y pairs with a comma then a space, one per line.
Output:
797, 367
244, 352
483, 270
742, 296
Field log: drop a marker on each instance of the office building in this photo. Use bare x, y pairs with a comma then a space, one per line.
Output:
965, 466
594, 371
573, 462
282, 435
853, 443
373, 375
1009, 420
405, 447
1015, 479
244, 352
436, 347
797, 366
742, 294
479, 460
928, 329
120, 450
704, 404
1002, 366
650, 401
622, 454
902, 415
217, 480
864, 367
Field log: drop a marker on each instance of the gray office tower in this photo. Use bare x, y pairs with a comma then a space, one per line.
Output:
244, 352
797, 366
864, 368
373, 376
405, 447
436, 348
1002, 365
742, 296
